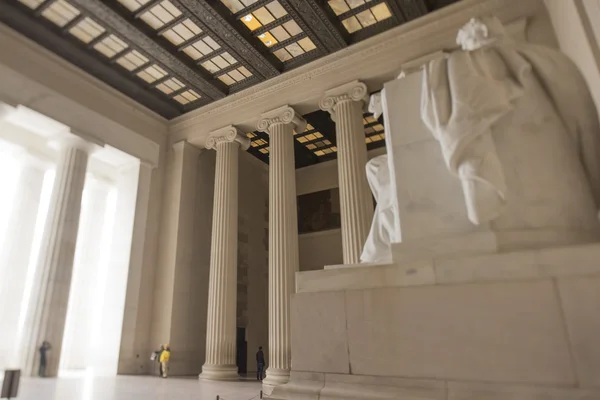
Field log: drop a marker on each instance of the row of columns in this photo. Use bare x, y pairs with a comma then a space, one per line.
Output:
345, 105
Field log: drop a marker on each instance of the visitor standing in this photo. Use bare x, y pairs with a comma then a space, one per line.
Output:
260, 363
156, 356
43, 358
165, 356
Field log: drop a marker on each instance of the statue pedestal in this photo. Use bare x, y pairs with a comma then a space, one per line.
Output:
506, 326
503, 309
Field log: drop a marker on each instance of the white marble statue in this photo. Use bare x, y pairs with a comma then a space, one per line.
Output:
517, 125
377, 246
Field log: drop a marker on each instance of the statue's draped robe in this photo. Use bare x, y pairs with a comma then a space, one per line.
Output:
377, 247
517, 125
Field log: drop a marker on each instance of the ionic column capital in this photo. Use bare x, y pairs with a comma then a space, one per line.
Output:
229, 134
353, 91
282, 115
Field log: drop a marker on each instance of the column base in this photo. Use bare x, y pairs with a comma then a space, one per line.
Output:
219, 373
275, 377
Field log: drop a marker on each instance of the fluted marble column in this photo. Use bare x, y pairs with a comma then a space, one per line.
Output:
283, 236
14, 259
222, 290
52, 280
345, 105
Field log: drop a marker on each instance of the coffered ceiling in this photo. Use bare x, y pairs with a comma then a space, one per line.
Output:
174, 56
318, 141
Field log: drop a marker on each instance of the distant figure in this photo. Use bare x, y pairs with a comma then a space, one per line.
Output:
164, 358
260, 364
43, 359
156, 356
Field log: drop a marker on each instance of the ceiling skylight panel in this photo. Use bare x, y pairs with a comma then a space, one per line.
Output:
110, 46
60, 12
295, 49
201, 48
161, 14
235, 76
237, 5
182, 32
87, 30
264, 15
152, 73
170, 85
219, 62
186, 97
133, 5
363, 17
132, 60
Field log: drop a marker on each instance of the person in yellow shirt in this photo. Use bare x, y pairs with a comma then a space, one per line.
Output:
165, 356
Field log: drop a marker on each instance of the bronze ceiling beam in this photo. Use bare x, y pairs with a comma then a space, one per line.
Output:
22, 19
410, 9
251, 8
263, 65
317, 23
71, 24
107, 14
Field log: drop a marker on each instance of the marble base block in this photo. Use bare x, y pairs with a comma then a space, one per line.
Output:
506, 326
219, 373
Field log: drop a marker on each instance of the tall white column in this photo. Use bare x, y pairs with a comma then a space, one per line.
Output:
14, 258
52, 280
283, 237
85, 278
222, 291
345, 105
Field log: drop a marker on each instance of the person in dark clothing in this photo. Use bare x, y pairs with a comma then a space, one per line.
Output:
260, 364
43, 358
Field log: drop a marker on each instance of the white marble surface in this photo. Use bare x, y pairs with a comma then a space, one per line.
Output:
326, 386
134, 388
496, 332
580, 298
508, 326
571, 261
328, 328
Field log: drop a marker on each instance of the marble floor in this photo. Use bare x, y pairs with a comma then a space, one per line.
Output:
134, 388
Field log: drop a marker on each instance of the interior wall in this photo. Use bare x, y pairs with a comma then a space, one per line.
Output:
172, 282
319, 249
253, 256
136, 346
572, 22
190, 301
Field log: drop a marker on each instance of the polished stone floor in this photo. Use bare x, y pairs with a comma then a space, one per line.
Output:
134, 388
